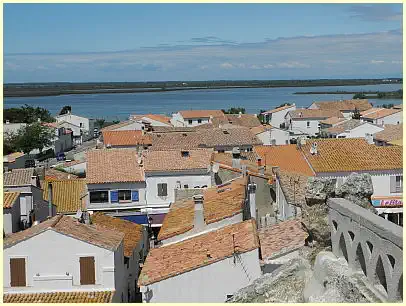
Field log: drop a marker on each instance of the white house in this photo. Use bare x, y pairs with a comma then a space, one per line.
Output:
352, 128
307, 121
85, 260
129, 125
208, 268
195, 117
270, 135
346, 107
63, 139
389, 134
11, 212
82, 128
16, 160
166, 171
153, 119
382, 116
276, 117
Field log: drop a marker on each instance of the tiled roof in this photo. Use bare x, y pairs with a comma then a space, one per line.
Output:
278, 109
246, 120
281, 237
293, 186
171, 129
133, 233
287, 158
171, 260
352, 154
73, 162
50, 124
9, 199
345, 105
390, 132
66, 194
113, 165
314, 114
398, 142
96, 235
333, 120
205, 138
217, 205
260, 129
18, 177
398, 106
60, 297
173, 160
344, 126
377, 113
201, 113
117, 125
156, 117
55, 174
125, 138
11, 158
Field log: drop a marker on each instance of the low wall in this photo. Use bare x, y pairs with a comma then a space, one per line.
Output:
368, 243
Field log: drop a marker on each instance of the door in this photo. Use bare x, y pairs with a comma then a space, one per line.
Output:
87, 271
17, 272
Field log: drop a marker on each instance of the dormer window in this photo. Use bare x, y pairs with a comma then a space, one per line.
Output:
226, 132
184, 134
185, 153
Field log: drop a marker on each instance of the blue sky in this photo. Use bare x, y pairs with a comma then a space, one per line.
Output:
153, 42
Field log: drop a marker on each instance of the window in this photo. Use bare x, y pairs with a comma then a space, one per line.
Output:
99, 196
220, 151
308, 124
396, 184
185, 153
190, 121
87, 270
81, 125
127, 262
17, 272
186, 186
162, 190
199, 120
124, 195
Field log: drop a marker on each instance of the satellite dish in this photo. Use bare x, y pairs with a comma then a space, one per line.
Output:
216, 168
78, 214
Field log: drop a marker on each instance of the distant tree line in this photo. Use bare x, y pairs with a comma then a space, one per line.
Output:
234, 110
27, 114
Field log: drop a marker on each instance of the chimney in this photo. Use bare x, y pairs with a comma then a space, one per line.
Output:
239, 114
39, 119
236, 161
49, 199
211, 118
261, 170
33, 180
199, 215
369, 138
7, 121
259, 161
253, 207
244, 170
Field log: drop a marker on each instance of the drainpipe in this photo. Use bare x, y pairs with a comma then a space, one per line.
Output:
49, 199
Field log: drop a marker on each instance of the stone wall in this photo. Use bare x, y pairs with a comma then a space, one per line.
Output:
181, 194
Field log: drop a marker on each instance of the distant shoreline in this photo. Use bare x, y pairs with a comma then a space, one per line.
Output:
393, 95
58, 89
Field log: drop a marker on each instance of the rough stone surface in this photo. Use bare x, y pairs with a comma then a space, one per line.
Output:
358, 189
318, 190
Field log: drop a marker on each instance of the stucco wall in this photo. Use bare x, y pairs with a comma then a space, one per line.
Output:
208, 284
360, 131
392, 119
130, 127
279, 117
301, 125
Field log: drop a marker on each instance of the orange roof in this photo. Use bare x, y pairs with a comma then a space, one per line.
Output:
333, 120
278, 109
305, 113
160, 118
177, 160
260, 129
352, 154
67, 195
287, 158
113, 165
345, 105
126, 138
9, 199
174, 259
60, 297
117, 125
11, 158
391, 132
133, 233
201, 113
55, 174
282, 237
377, 113
219, 203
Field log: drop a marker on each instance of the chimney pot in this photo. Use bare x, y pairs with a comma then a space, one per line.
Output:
199, 214
7, 121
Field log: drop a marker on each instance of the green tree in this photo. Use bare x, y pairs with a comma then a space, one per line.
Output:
359, 96
261, 117
65, 110
9, 143
356, 114
27, 114
100, 122
234, 110
282, 105
34, 136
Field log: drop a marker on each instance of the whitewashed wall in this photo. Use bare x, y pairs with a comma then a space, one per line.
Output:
78, 168
301, 125
178, 121
285, 210
11, 218
155, 122
88, 125
395, 118
137, 126
279, 117
208, 284
360, 131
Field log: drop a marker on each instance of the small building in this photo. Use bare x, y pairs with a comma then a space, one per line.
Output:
351, 128
126, 139
63, 137
82, 128
78, 167
206, 268
276, 117
307, 121
245, 120
346, 107
128, 125
11, 212
270, 135
331, 122
389, 133
16, 160
12, 128
383, 116
153, 119
80, 262
190, 118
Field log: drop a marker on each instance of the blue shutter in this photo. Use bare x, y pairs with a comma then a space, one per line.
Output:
114, 196
134, 196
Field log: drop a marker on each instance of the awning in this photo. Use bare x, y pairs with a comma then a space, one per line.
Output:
155, 219
388, 202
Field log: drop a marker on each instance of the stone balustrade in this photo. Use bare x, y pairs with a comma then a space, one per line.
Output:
368, 243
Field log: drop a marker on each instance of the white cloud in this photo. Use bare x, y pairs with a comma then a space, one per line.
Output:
268, 66
293, 64
377, 62
227, 66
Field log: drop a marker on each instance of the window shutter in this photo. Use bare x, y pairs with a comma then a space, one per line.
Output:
164, 189
87, 271
134, 196
17, 272
114, 196
392, 184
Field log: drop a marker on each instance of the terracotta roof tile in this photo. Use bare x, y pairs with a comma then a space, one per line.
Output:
345, 105
171, 260
293, 186
186, 114
260, 129
352, 154
126, 138
246, 120
171, 129
344, 126
391, 132
219, 203
333, 120
278, 109
287, 158
73, 162
18, 177
281, 237
60, 297
11, 158
314, 114
177, 160
9, 198
55, 174
113, 165
133, 233
377, 113
66, 194
117, 125
156, 117
96, 235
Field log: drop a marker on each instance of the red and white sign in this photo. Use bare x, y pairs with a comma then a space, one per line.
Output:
387, 202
